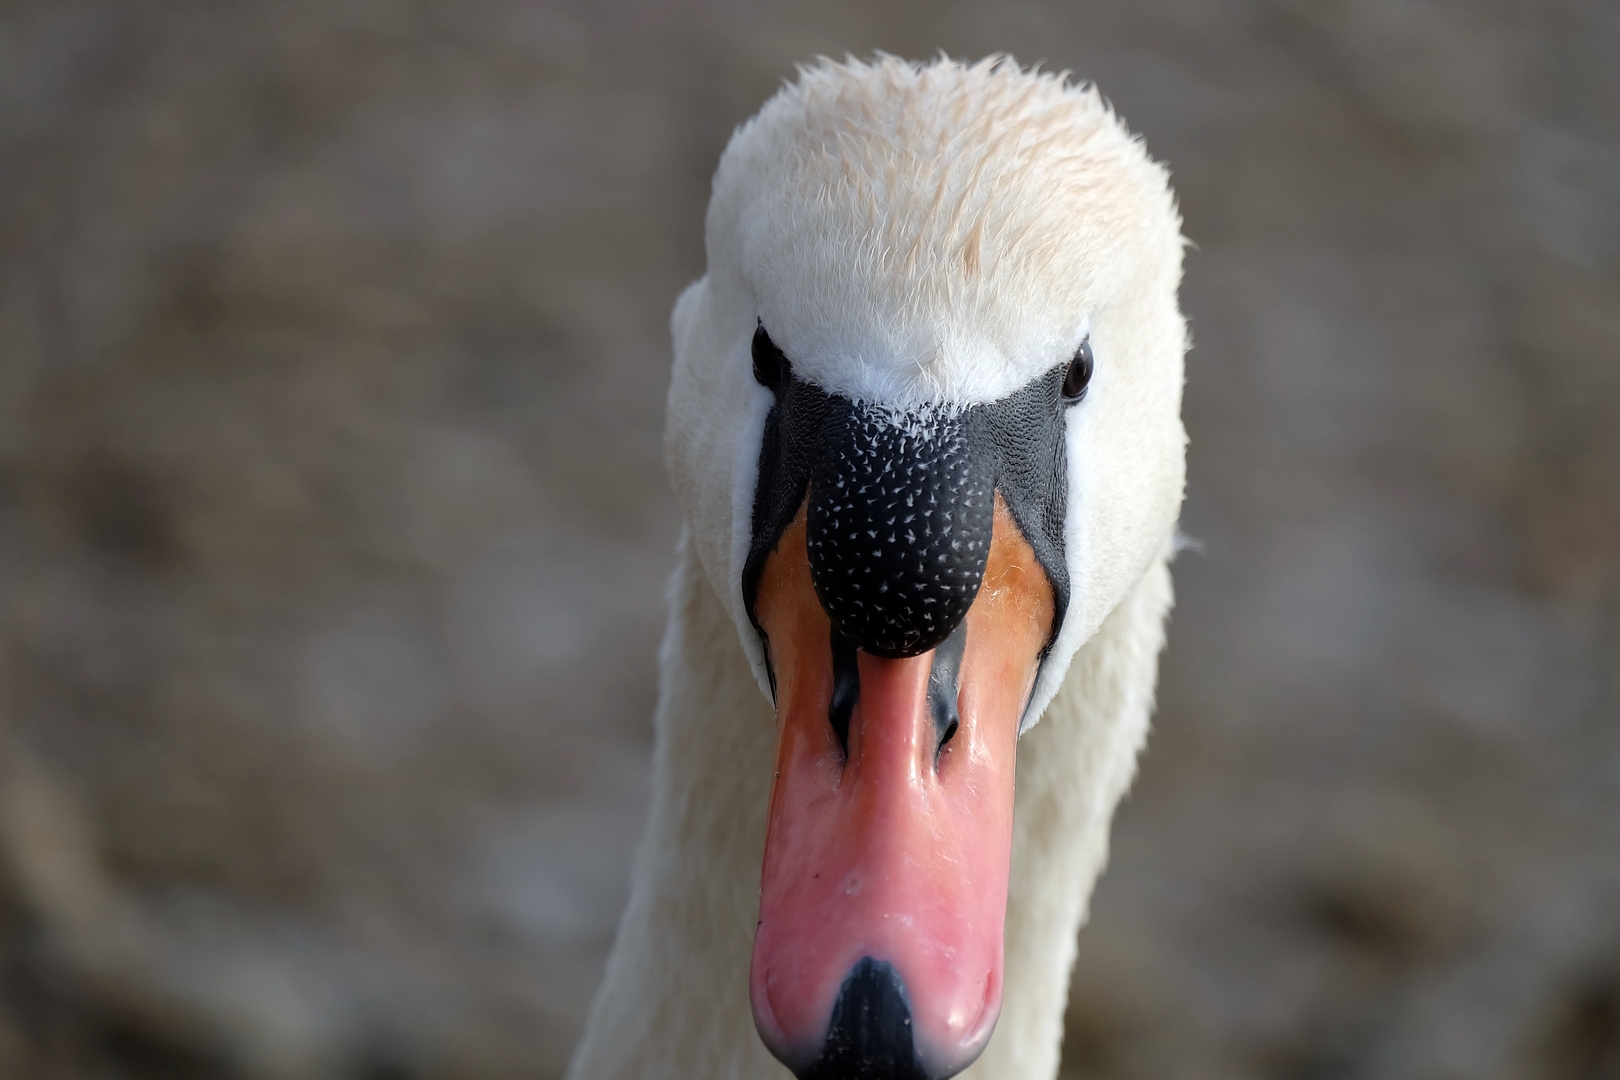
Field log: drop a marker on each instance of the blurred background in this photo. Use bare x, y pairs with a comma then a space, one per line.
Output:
333, 524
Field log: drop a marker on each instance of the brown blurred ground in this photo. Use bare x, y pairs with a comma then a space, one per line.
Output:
333, 524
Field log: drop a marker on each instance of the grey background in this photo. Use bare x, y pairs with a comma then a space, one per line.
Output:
333, 525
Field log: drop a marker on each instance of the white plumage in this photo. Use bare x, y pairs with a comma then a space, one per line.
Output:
912, 235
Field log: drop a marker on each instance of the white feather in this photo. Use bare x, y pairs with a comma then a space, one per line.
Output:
918, 237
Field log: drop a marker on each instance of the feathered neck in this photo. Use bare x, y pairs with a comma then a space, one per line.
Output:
674, 1001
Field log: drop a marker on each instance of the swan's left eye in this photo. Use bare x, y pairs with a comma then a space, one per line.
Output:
770, 366
1078, 375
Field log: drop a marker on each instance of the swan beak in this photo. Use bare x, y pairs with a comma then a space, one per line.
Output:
888, 847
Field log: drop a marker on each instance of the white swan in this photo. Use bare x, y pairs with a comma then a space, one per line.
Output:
913, 272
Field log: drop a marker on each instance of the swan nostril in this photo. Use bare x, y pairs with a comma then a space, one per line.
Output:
846, 687
944, 687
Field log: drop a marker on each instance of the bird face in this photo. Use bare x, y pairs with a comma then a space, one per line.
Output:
924, 423
905, 614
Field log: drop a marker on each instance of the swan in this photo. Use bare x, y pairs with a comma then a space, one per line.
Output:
924, 429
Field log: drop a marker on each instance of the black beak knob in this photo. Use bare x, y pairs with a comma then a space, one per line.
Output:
900, 519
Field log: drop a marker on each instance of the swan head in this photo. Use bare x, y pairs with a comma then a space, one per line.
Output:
924, 424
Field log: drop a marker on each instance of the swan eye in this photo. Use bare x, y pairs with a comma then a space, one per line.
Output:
1075, 378
770, 366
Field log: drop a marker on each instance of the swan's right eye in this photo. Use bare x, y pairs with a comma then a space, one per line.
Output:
1077, 376
770, 366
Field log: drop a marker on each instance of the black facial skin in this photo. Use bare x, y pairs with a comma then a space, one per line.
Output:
901, 506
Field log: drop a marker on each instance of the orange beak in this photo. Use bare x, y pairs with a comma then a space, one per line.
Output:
884, 891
